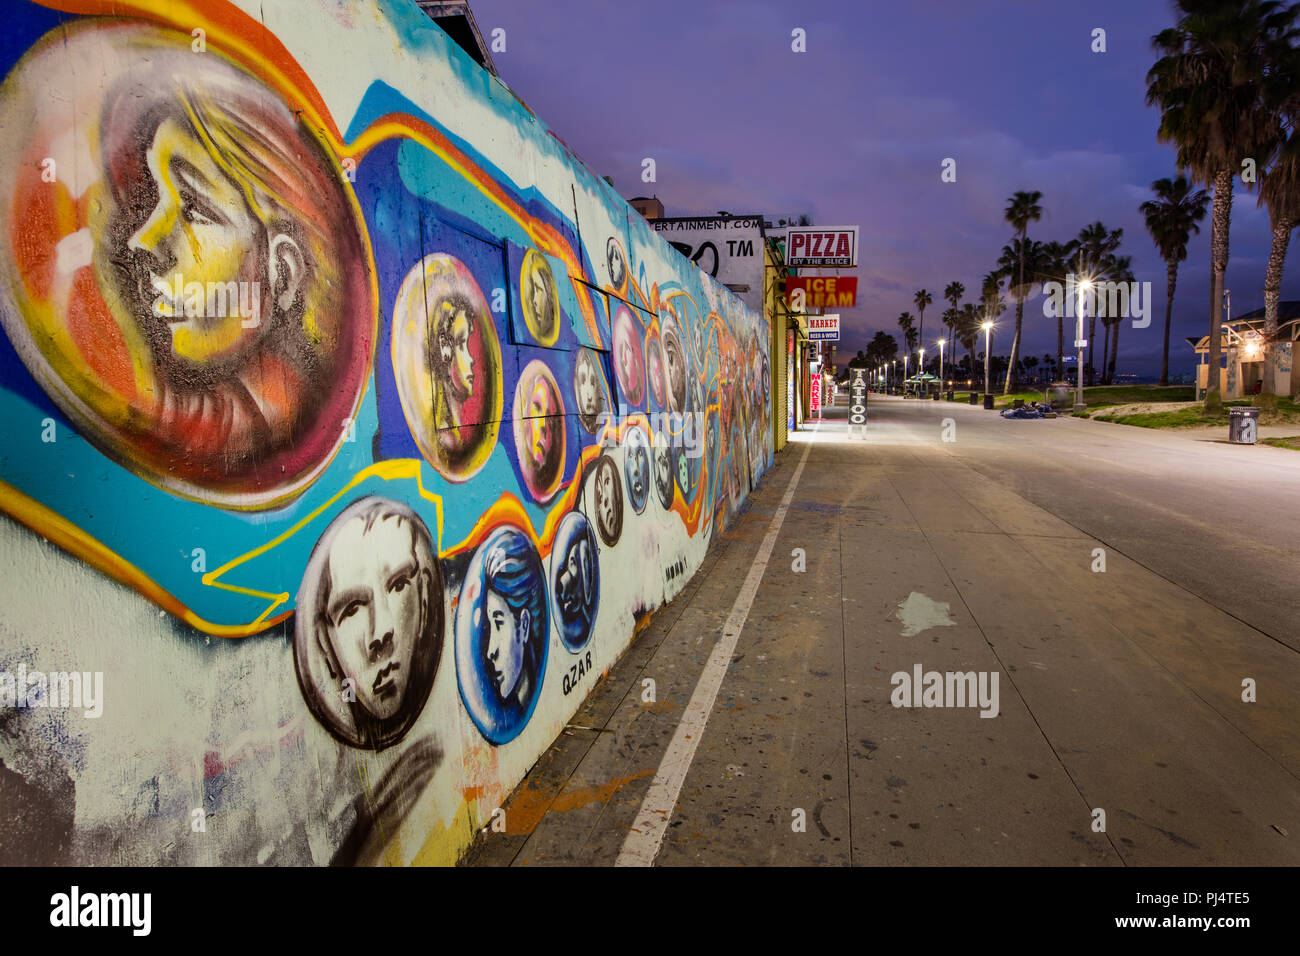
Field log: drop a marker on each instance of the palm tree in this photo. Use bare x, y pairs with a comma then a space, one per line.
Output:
1020, 257
1172, 218
1210, 81
968, 330
953, 293
1056, 263
1022, 209
1120, 270
1095, 247
1280, 191
909, 333
921, 300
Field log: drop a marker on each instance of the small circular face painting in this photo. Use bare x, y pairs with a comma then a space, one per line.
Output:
540, 298
502, 634
590, 392
368, 626
654, 363
183, 268
447, 363
616, 264
539, 430
629, 358
636, 466
575, 580
605, 490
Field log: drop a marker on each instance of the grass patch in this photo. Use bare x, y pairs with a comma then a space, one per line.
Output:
1104, 396
1287, 413
1293, 442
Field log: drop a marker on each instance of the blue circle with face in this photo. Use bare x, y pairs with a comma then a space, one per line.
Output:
502, 634
636, 467
575, 580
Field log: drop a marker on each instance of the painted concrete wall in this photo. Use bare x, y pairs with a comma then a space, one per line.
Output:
348, 425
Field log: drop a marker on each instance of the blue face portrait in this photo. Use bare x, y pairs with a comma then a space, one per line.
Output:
636, 467
502, 631
575, 580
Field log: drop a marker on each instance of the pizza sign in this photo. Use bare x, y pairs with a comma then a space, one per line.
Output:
829, 246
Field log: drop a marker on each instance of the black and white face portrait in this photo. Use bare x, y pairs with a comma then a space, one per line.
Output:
588, 388
675, 362
663, 471
368, 628
606, 490
616, 262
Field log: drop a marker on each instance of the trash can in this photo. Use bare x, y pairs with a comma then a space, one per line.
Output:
988, 400
949, 398
974, 397
1243, 425
936, 396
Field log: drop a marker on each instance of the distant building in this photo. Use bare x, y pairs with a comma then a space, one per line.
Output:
1243, 354
650, 208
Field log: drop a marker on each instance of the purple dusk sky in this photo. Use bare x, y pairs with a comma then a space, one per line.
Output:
854, 131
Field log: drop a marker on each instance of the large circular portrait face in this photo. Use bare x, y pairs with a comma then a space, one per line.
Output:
575, 580
368, 625
589, 389
654, 363
447, 363
185, 271
605, 490
616, 263
539, 430
629, 360
636, 466
502, 633
540, 298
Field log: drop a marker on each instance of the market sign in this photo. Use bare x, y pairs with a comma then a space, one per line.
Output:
825, 246
821, 292
815, 395
823, 328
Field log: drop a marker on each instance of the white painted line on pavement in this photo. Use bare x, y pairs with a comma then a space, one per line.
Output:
647, 834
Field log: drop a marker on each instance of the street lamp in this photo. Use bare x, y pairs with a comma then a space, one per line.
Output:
1079, 343
988, 332
920, 368
941, 388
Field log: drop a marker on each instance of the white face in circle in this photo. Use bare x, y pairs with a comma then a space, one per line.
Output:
507, 639
376, 610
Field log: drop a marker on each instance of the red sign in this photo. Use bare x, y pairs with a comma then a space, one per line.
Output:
821, 292
827, 246
815, 396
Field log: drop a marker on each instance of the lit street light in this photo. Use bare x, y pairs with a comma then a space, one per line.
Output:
1080, 343
941, 388
988, 332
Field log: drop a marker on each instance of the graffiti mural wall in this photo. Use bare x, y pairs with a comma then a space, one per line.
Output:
345, 417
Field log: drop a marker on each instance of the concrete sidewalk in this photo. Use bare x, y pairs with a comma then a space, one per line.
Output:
1118, 691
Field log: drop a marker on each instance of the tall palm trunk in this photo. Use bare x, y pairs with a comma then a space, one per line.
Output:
1020, 315
1092, 341
1272, 292
1171, 269
1060, 341
1105, 352
1114, 353
1222, 217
